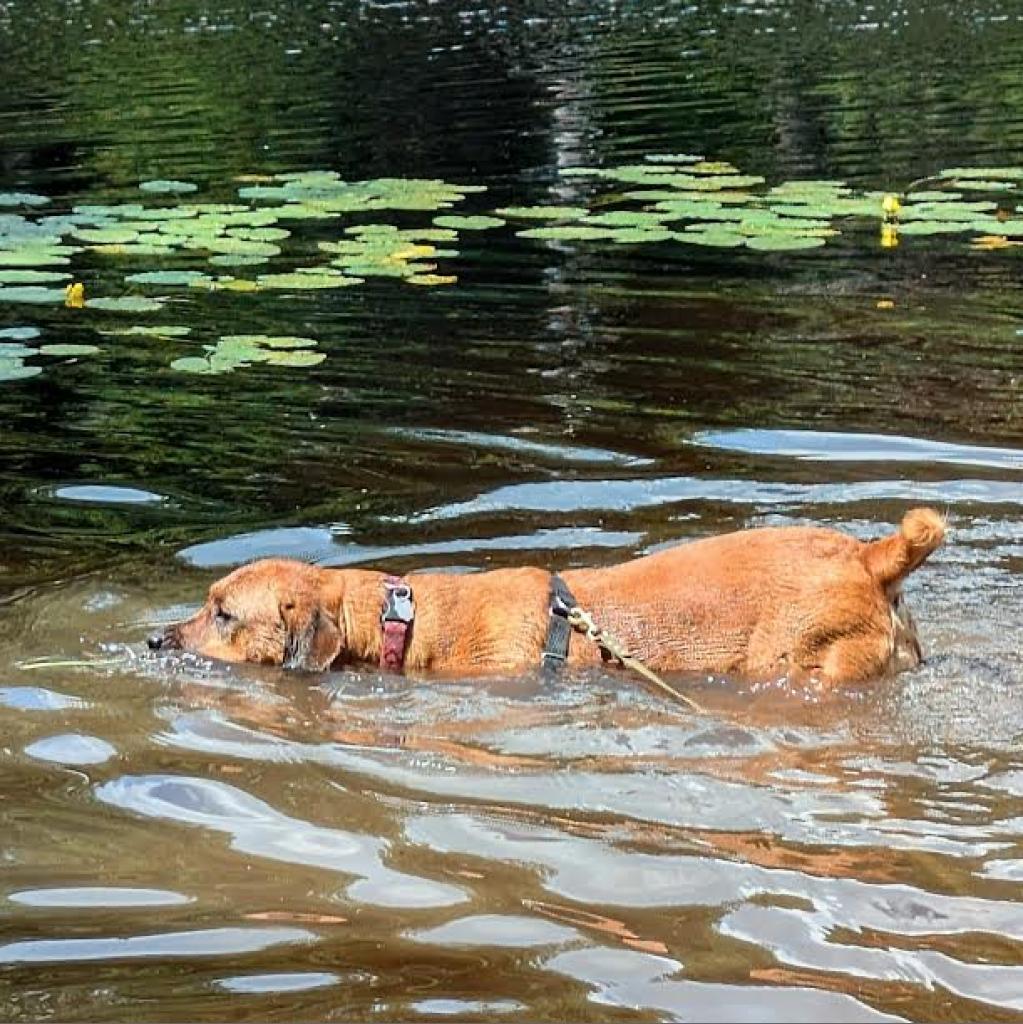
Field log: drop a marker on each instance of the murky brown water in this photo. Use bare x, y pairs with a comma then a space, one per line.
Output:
183, 841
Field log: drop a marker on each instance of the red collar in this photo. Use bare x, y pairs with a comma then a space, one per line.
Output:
396, 620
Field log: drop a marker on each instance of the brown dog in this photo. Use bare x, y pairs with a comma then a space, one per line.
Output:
805, 603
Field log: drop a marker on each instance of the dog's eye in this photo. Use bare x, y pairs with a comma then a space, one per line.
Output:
223, 617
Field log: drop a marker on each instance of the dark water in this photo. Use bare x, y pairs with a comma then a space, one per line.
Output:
180, 841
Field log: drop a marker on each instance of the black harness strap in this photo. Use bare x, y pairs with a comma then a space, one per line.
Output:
559, 632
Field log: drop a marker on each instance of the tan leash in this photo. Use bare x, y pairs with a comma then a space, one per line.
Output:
582, 622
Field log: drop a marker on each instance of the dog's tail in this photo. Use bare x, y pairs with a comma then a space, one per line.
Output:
892, 558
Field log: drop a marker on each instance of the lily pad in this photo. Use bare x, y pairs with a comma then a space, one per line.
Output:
168, 277
934, 227
237, 259
14, 350
781, 242
626, 219
22, 199
239, 246
134, 249
1000, 173
299, 281
225, 284
431, 280
125, 304
479, 223
32, 293
168, 186
156, 331
68, 350
193, 364
301, 357
259, 234
107, 236
15, 369
269, 340
32, 276
25, 257
544, 212
641, 236
19, 333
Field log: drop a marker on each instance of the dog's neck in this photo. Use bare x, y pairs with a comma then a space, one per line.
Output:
355, 598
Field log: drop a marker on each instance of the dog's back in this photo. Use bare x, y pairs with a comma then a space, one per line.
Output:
768, 602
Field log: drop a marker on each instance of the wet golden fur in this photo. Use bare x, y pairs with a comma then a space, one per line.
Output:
799, 602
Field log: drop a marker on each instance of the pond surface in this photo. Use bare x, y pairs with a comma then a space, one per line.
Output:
183, 841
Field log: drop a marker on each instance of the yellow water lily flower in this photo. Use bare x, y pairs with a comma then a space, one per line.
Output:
891, 204
74, 295
885, 304
889, 236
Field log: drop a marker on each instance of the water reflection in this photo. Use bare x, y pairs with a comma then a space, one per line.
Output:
194, 841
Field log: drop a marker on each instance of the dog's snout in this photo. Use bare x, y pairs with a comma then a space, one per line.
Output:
162, 641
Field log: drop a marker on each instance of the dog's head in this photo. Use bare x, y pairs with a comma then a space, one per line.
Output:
270, 612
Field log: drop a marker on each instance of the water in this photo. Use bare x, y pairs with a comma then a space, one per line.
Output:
186, 841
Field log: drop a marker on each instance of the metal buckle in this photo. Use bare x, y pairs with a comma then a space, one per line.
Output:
399, 607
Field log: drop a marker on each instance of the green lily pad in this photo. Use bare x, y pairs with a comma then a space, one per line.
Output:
626, 219
225, 284
22, 199
544, 212
156, 331
641, 236
984, 185
237, 259
32, 276
168, 277
431, 280
14, 350
469, 223
934, 227
239, 246
107, 236
259, 234
780, 242
68, 350
32, 258
296, 280
714, 167
134, 249
301, 357
269, 340
193, 364
32, 293
998, 173
168, 186
20, 333
946, 211
15, 369
124, 304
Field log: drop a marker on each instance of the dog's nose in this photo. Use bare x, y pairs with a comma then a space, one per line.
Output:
161, 641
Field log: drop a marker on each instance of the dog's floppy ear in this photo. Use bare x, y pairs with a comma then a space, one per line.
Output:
312, 639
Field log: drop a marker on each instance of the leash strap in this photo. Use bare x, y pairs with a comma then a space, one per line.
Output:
396, 619
559, 629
